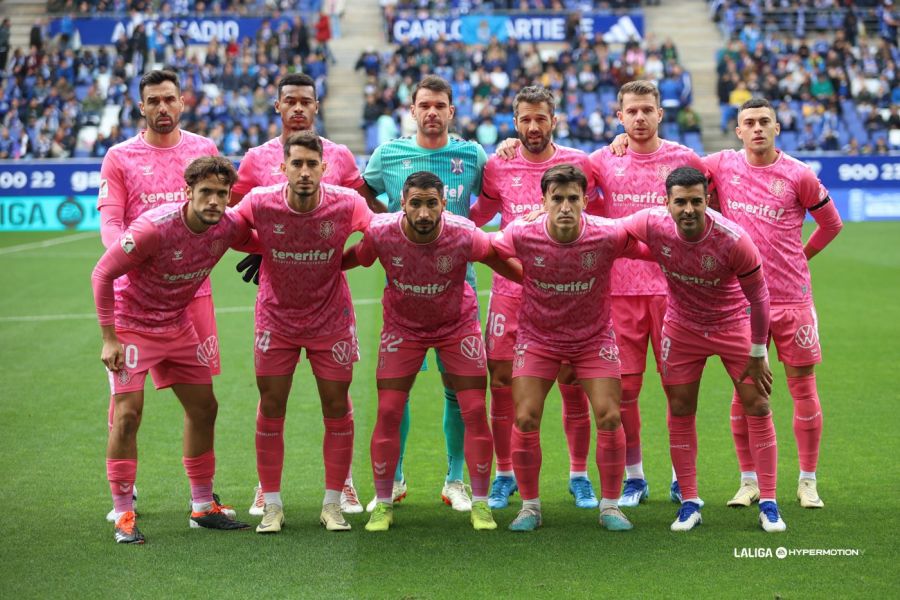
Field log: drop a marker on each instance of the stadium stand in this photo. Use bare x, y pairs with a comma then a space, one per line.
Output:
830, 68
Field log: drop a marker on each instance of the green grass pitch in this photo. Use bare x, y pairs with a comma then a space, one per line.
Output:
54, 541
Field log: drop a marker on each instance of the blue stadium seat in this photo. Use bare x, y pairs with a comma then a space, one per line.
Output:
694, 141
371, 138
590, 102
787, 140
669, 131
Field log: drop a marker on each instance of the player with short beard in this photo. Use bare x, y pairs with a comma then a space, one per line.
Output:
304, 302
147, 171
513, 189
167, 254
428, 303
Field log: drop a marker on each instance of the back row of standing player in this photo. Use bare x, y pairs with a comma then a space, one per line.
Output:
783, 190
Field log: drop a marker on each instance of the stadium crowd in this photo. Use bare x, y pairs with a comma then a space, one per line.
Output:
837, 90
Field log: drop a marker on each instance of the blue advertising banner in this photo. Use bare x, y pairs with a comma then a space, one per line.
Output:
530, 27
62, 195
97, 31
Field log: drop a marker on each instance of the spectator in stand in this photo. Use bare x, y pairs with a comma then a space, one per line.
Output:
323, 36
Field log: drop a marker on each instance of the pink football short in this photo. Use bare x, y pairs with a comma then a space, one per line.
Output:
684, 352
202, 314
171, 357
637, 320
601, 361
795, 331
331, 356
502, 325
460, 355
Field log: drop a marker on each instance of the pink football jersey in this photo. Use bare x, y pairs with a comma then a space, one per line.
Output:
166, 263
628, 184
261, 166
427, 297
566, 287
704, 293
513, 188
770, 203
139, 177
302, 290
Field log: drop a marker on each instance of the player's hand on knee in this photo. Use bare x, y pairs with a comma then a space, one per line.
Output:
757, 369
249, 266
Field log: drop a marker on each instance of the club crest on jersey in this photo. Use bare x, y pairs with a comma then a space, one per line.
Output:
444, 264
217, 248
407, 164
123, 376
663, 171
666, 251
127, 242
342, 353
588, 260
620, 171
456, 166
519, 352
539, 261
609, 353
777, 187
708, 262
278, 229
326, 229
146, 170
806, 336
735, 180
472, 348
208, 350
397, 261
178, 255
516, 181
104, 189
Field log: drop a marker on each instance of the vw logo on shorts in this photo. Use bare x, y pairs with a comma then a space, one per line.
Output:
610, 353
342, 352
208, 350
471, 347
806, 336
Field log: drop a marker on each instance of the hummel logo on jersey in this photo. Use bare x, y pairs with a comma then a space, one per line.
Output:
517, 182
539, 261
456, 166
620, 171
397, 261
275, 171
379, 467
806, 336
666, 251
278, 229
127, 242
178, 255
444, 264
124, 487
146, 170
735, 179
482, 467
407, 164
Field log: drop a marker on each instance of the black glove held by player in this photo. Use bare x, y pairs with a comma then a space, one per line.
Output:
250, 268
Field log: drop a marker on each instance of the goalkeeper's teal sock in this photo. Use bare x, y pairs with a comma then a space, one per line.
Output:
404, 432
454, 433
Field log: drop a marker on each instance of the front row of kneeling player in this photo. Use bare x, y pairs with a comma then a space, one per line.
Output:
563, 259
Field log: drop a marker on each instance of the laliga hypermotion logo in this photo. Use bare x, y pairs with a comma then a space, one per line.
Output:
806, 336
444, 264
208, 351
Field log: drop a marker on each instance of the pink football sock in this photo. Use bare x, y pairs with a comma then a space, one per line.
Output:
478, 445
611, 461
683, 450
764, 447
385, 445
526, 457
740, 435
121, 473
631, 417
200, 471
337, 450
269, 451
576, 414
807, 420
503, 415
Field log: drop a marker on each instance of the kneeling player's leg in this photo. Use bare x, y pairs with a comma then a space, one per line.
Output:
576, 416
273, 396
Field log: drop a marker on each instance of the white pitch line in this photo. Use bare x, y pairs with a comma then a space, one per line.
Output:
226, 310
51, 242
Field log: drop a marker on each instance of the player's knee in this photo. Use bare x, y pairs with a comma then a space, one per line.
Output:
758, 406
335, 407
272, 405
527, 421
126, 421
608, 418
